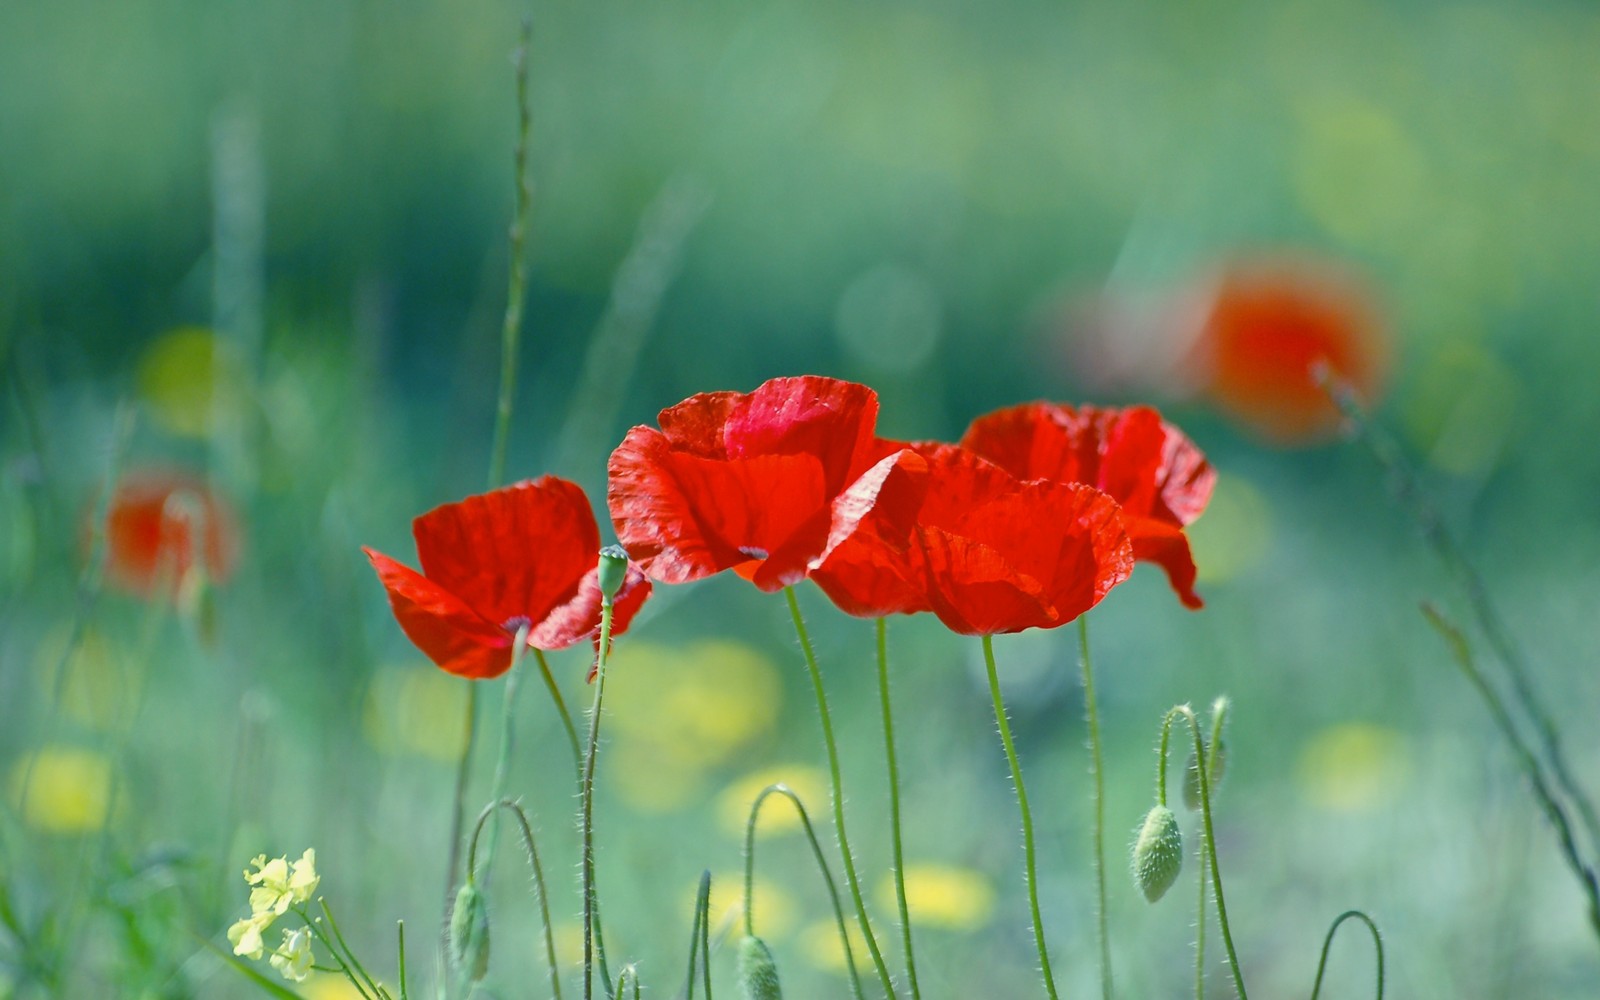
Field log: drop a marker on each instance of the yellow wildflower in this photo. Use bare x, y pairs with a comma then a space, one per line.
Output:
293, 957
278, 884
245, 935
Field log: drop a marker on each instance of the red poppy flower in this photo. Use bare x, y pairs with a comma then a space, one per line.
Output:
1150, 467
937, 528
161, 525
523, 554
1266, 326
731, 478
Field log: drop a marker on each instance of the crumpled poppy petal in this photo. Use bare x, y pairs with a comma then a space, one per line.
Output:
730, 478
683, 517
518, 551
1159, 477
975, 590
579, 618
450, 633
1167, 547
859, 550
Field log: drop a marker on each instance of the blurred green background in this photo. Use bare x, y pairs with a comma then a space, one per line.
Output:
929, 198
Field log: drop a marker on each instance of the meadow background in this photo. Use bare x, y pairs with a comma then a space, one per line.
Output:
267, 243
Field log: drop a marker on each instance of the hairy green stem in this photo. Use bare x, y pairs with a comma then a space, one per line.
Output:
1408, 490
1027, 815
894, 807
400, 945
510, 337
699, 937
587, 796
1097, 768
1327, 942
1187, 714
531, 848
502, 766
838, 794
822, 866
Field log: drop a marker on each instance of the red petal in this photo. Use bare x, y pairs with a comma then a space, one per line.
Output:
452, 635
518, 551
731, 478
1157, 475
579, 618
976, 590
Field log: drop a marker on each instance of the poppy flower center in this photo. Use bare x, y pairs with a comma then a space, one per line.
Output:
515, 623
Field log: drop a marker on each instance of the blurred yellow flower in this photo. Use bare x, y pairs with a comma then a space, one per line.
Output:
62, 789
679, 711
1235, 533
90, 681
958, 899
774, 907
184, 375
416, 710
820, 943
245, 935
778, 815
1353, 767
293, 957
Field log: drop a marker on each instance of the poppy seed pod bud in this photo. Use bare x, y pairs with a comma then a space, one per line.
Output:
758, 973
1216, 766
613, 570
1158, 853
469, 933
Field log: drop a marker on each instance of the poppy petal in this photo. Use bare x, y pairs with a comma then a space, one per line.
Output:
518, 551
450, 633
975, 590
579, 618
1167, 547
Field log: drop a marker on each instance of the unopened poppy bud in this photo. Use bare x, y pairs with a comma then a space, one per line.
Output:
469, 933
1158, 853
613, 570
1216, 766
758, 973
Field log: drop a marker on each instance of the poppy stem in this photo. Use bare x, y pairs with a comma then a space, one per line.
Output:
531, 848
1327, 942
702, 912
1200, 930
838, 793
894, 805
561, 709
502, 766
1210, 842
458, 813
586, 792
1027, 815
1098, 773
822, 865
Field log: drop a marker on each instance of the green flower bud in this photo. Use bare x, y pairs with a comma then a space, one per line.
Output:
1216, 766
1158, 853
469, 933
758, 973
613, 570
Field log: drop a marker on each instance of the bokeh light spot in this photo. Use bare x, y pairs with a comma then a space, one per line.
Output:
1235, 532
943, 896
778, 814
1463, 409
416, 710
184, 375
62, 789
1353, 767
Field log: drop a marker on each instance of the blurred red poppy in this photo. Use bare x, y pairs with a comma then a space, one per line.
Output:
935, 527
163, 524
731, 478
523, 554
1158, 476
1266, 325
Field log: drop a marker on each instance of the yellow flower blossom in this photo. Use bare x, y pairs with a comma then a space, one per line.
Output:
278, 884
245, 935
293, 957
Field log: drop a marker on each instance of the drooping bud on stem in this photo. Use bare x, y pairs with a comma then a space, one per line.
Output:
1216, 766
469, 933
613, 570
1157, 853
758, 973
